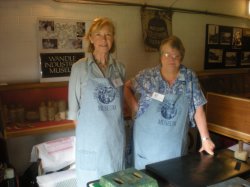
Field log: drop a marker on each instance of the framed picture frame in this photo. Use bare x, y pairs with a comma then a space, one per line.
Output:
237, 38
245, 58
230, 59
215, 56
227, 47
213, 34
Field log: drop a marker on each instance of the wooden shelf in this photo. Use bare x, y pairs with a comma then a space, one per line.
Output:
25, 86
39, 128
30, 96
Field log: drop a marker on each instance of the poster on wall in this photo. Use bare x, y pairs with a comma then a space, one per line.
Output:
227, 47
156, 26
60, 44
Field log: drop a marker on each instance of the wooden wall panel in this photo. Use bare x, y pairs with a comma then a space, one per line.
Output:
229, 116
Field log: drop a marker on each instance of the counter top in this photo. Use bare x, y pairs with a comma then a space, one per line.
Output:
197, 169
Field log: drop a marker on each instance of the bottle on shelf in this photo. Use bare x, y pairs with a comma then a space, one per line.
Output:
43, 113
62, 109
51, 111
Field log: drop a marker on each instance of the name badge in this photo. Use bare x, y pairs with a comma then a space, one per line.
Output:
158, 96
117, 82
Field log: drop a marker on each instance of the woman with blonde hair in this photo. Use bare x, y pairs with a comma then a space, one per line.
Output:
95, 103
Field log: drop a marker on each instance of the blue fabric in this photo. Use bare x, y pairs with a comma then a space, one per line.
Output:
78, 80
161, 128
160, 133
150, 80
100, 136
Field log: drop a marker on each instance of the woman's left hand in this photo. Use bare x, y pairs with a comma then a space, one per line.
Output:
207, 146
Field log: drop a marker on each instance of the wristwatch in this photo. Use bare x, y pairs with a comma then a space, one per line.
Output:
205, 139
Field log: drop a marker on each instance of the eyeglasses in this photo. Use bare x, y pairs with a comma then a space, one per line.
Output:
172, 56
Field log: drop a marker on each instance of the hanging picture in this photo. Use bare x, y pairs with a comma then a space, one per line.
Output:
227, 47
237, 38
156, 26
245, 58
231, 59
225, 36
60, 44
215, 56
213, 34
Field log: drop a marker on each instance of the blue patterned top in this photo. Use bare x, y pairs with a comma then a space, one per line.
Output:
150, 80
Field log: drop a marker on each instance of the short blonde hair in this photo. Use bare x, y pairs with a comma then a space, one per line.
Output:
175, 43
98, 24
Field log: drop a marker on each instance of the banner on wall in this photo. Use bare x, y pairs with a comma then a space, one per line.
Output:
58, 64
60, 44
156, 26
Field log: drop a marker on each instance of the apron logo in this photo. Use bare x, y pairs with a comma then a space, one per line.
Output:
168, 110
106, 94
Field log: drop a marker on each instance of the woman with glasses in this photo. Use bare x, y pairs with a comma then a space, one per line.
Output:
95, 103
166, 99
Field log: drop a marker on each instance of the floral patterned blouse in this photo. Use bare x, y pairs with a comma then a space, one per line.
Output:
150, 80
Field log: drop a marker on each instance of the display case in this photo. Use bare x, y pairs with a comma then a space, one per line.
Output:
34, 108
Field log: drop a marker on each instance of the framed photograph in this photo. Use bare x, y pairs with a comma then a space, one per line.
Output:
231, 59
225, 38
213, 34
226, 47
245, 58
225, 35
237, 38
215, 56
245, 39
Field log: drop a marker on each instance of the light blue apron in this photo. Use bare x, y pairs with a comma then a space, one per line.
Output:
160, 133
100, 131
